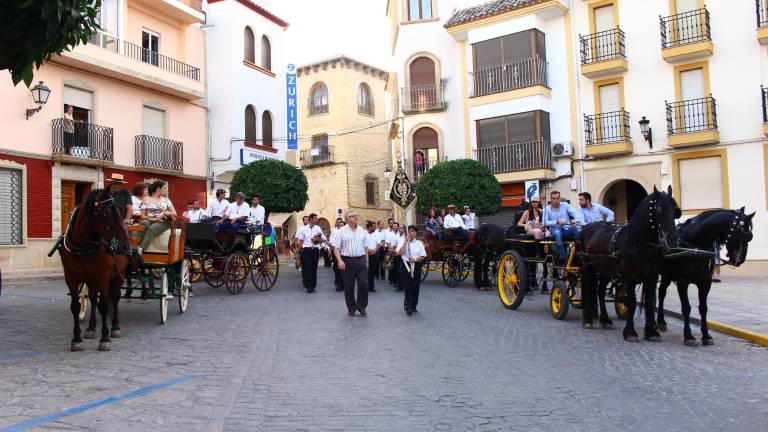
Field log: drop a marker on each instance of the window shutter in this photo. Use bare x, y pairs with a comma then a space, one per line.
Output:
521, 127
491, 132
487, 54
610, 98
692, 84
686, 5
422, 71
153, 122
604, 18
517, 46
78, 98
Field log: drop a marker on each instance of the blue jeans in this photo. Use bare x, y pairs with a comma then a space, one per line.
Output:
459, 232
563, 233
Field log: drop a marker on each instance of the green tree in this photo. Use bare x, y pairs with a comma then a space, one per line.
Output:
460, 182
32, 31
281, 187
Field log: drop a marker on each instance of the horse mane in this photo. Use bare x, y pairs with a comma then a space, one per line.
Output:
90, 203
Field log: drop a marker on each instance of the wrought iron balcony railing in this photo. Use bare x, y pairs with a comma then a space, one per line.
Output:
685, 28
524, 156
159, 153
83, 140
317, 156
510, 76
762, 13
764, 93
419, 169
602, 46
607, 127
693, 115
144, 55
428, 97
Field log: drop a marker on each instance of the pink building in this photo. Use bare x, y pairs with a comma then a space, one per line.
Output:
138, 98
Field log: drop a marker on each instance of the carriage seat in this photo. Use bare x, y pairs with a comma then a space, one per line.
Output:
161, 244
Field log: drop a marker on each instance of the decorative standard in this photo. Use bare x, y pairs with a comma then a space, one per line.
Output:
402, 192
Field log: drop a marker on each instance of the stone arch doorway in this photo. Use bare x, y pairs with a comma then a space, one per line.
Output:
623, 197
426, 150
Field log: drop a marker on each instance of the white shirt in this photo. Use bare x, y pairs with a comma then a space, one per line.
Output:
195, 215
257, 215
351, 243
415, 249
236, 211
469, 220
305, 234
453, 222
391, 238
373, 240
217, 208
136, 201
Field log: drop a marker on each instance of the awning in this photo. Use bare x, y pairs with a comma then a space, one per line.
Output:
278, 219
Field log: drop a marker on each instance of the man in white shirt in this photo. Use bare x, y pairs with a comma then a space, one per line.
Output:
237, 214
257, 212
413, 254
217, 208
454, 224
350, 245
373, 254
393, 238
381, 234
195, 214
469, 218
337, 282
310, 237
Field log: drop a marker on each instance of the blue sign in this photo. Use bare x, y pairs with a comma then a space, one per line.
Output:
292, 113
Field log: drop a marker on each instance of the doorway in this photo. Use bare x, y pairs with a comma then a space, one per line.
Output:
623, 197
72, 195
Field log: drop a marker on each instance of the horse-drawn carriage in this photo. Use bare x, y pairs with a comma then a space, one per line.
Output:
452, 257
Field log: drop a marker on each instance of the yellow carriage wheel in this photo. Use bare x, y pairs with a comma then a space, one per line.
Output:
558, 300
511, 279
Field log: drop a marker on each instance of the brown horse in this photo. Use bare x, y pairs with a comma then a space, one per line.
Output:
94, 252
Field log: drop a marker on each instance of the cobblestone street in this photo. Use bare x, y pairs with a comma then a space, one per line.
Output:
286, 360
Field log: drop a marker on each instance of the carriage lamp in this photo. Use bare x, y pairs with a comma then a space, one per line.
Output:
387, 172
647, 131
40, 93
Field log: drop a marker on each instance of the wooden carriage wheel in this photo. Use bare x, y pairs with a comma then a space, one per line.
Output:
511, 279
212, 270
453, 270
265, 267
185, 277
235, 272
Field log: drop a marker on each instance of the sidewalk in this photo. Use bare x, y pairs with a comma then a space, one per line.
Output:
738, 301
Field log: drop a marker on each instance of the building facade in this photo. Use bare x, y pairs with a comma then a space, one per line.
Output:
137, 93
247, 88
344, 138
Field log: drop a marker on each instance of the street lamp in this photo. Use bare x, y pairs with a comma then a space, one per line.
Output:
387, 172
647, 131
40, 93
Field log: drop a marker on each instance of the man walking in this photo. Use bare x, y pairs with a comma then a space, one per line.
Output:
593, 212
310, 236
351, 251
393, 238
373, 255
336, 272
382, 238
413, 254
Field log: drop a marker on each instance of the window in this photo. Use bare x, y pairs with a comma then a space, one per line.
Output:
150, 42
250, 124
700, 180
266, 129
320, 151
266, 54
249, 53
419, 10
364, 101
153, 122
510, 62
371, 189
318, 100
11, 222
108, 18
513, 129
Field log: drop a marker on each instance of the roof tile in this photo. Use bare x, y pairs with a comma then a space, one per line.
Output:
488, 9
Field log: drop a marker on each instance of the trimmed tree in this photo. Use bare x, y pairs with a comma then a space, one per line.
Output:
281, 187
460, 182
33, 30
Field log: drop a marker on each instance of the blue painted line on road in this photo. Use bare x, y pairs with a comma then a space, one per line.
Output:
30, 297
6, 357
97, 404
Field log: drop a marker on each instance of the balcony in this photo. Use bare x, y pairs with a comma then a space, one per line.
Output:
418, 170
509, 81
317, 156
764, 94
686, 36
82, 143
186, 11
517, 162
423, 98
607, 134
692, 122
603, 53
159, 155
762, 21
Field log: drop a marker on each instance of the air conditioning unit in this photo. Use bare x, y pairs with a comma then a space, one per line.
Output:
562, 149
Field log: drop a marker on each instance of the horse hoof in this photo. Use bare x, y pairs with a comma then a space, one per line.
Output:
105, 346
115, 333
708, 342
630, 338
587, 326
76, 346
606, 326
653, 338
662, 327
691, 343
89, 334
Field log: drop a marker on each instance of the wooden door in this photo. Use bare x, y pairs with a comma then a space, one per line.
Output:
68, 204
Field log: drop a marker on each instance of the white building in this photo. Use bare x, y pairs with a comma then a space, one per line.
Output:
246, 85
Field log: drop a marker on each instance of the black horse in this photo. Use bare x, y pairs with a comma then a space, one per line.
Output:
490, 241
707, 231
634, 254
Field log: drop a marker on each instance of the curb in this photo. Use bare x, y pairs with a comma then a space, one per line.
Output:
756, 338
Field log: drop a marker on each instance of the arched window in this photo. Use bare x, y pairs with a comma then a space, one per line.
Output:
266, 53
266, 129
318, 99
425, 150
249, 53
250, 124
423, 91
364, 100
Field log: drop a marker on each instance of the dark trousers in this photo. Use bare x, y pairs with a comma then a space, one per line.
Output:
336, 273
327, 261
411, 285
356, 271
309, 259
394, 274
373, 270
380, 263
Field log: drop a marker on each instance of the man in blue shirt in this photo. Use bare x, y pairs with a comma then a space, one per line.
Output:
593, 212
563, 222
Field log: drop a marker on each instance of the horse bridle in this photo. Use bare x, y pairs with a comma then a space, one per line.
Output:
739, 223
94, 245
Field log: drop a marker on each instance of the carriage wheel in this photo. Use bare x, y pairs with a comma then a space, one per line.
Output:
511, 279
425, 270
82, 294
452, 271
466, 266
574, 290
558, 300
213, 276
235, 272
622, 311
163, 299
195, 269
264, 269
185, 276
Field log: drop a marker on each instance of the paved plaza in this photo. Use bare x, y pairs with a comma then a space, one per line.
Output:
286, 360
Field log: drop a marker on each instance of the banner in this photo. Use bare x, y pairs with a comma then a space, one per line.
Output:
292, 114
402, 192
